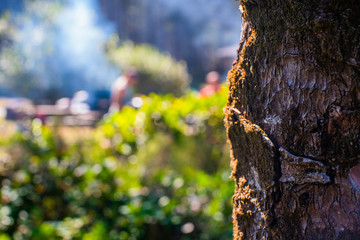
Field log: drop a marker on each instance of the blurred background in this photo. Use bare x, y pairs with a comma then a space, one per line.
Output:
155, 168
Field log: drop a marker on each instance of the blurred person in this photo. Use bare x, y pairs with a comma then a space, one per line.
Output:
122, 90
212, 85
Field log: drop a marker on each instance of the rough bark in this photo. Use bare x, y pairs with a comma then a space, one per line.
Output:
293, 120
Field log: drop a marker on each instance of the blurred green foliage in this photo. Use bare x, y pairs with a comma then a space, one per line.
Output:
157, 172
158, 72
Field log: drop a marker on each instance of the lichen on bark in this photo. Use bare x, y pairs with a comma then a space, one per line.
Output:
293, 120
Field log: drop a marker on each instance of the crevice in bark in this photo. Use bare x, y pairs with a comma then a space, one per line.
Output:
276, 194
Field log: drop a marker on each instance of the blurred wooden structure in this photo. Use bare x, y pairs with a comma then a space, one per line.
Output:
18, 109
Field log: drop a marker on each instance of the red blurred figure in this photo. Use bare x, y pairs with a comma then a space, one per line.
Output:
212, 85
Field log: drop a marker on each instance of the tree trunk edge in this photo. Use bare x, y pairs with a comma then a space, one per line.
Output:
293, 121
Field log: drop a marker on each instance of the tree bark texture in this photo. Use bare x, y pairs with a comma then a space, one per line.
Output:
293, 120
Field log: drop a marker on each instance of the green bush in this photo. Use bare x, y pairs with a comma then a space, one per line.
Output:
159, 172
158, 72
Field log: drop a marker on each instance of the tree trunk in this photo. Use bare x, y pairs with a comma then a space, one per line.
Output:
293, 120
